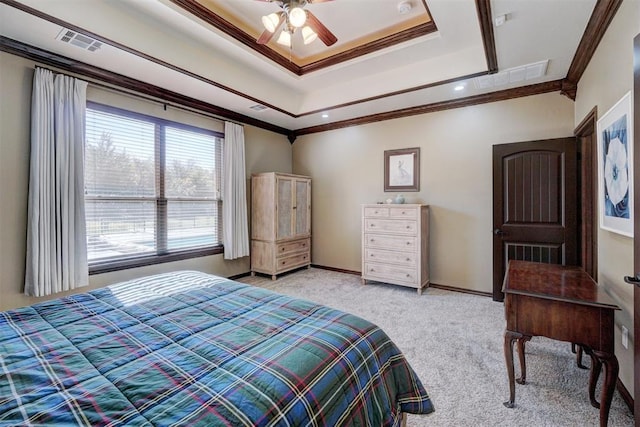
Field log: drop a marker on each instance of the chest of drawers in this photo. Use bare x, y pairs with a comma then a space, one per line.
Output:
395, 244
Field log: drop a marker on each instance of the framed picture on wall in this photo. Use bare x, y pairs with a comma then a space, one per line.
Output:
615, 169
402, 169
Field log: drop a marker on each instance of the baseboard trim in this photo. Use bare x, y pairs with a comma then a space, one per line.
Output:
461, 290
339, 270
434, 285
239, 276
624, 393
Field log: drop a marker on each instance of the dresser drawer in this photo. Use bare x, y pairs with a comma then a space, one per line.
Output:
289, 262
409, 259
376, 212
391, 226
400, 213
392, 273
287, 248
385, 241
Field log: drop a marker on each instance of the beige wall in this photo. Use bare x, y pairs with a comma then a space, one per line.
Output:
456, 180
607, 78
265, 151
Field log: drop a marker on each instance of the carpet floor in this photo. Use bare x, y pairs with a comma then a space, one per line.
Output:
454, 342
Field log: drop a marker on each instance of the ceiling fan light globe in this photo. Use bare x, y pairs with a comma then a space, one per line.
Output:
308, 35
297, 17
270, 22
284, 39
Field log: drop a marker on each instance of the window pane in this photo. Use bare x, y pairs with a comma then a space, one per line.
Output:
135, 208
120, 228
192, 224
119, 156
191, 163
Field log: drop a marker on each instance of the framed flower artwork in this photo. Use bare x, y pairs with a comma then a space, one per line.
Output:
402, 169
615, 170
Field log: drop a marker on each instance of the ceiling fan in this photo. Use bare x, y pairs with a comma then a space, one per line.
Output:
293, 16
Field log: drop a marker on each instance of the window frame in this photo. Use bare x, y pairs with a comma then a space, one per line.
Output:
162, 254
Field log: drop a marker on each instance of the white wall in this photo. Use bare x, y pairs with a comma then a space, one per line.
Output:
456, 179
606, 79
264, 151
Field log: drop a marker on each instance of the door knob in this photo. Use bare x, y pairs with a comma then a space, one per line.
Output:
633, 280
499, 232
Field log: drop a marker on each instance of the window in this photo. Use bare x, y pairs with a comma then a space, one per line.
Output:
152, 189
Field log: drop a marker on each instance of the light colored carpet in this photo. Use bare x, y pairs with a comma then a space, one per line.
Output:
454, 342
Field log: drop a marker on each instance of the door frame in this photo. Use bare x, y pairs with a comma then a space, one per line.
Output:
587, 193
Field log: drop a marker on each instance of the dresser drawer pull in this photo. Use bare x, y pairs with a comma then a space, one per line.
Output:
408, 227
408, 275
408, 243
372, 225
408, 259
372, 240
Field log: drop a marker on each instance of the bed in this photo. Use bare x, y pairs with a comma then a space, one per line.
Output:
188, 348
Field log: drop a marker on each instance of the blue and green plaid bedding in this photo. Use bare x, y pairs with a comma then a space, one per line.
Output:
188, 349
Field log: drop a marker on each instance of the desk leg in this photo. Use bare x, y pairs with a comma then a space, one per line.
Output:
509, 338
594, 374
523, 364
611, 368
577, 350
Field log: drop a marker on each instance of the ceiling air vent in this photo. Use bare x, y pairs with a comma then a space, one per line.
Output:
513, 75
258, 107
79, 40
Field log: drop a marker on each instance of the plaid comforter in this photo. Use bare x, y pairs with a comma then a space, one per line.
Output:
189, 348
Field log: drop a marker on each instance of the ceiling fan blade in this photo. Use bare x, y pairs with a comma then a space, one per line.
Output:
266, 35
323, 32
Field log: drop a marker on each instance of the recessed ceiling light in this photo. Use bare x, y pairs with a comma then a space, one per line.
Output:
325, 116
459, 88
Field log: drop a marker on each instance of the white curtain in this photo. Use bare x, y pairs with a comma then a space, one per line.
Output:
234, 194
56, 233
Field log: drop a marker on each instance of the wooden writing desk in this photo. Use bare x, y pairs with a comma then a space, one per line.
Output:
562, 303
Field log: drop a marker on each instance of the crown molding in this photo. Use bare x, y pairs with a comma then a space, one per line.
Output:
602, 15
205, 14
535, 89
92, 73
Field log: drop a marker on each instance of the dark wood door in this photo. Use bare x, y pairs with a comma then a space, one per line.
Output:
534, 204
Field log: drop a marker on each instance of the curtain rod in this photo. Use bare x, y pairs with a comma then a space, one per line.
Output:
143, 97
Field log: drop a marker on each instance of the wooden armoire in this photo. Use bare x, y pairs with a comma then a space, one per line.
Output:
280, 222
